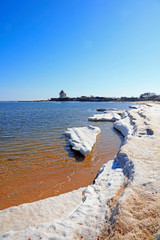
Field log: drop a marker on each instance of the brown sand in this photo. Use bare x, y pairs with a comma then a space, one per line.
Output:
28, 180
34, 184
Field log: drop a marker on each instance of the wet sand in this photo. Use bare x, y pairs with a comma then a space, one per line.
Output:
23, 182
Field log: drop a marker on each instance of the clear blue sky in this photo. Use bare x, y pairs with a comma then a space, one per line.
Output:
85, 47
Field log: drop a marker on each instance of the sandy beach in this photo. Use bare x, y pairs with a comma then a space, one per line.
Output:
123, 203
36, 176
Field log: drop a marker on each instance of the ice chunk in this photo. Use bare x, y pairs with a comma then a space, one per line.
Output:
124, 126
82, 139
111, 116
134, 106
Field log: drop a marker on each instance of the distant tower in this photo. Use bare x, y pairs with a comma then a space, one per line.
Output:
62, 94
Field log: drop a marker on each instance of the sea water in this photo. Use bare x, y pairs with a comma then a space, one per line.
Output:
35, 158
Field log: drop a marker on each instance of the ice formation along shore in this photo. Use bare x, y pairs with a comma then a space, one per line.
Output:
112, 117
82, 139
111, 114
123, 203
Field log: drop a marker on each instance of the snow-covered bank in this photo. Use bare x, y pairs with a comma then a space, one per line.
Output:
82, 139
32, 214
124, 202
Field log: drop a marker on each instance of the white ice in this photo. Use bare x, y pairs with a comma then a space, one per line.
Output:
82, 139
109, 116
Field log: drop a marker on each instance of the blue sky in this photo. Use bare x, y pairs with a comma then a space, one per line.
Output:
105, 48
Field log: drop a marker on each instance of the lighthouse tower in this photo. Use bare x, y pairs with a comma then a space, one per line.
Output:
62, 94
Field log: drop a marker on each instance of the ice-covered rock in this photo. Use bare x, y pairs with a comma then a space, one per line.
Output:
82, 139
111, 116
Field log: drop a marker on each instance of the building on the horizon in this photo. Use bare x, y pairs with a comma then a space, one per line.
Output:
148, 95
62, 94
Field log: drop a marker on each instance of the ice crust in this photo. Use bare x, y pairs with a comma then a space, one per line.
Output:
123, 125
109, 116
32, 214
125, 192
82, 139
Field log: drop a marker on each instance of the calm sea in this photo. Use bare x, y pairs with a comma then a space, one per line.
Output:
33, 147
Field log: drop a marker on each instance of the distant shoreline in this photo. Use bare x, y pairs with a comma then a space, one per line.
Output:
92, 100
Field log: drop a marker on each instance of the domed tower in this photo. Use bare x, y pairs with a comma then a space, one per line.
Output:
62, 94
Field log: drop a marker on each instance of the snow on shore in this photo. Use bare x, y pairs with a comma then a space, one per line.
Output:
123, 203
110, 116
32, 214
82, 139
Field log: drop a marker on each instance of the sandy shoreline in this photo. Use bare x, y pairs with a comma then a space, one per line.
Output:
124, 201
24, 183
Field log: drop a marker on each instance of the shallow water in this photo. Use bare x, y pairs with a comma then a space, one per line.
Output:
35, 159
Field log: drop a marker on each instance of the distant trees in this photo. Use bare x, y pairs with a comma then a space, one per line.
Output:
143, 97
148, 95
